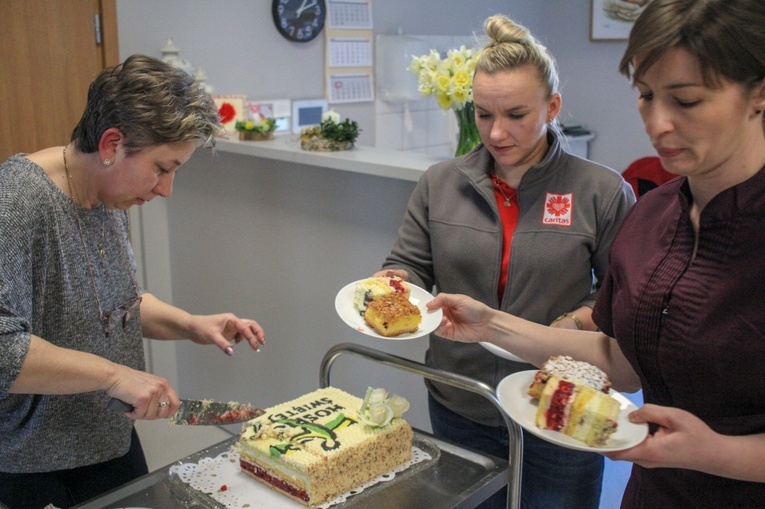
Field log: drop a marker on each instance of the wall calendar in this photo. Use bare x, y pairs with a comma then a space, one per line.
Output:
349, 52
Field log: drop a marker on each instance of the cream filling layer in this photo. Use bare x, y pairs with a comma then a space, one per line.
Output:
275, 466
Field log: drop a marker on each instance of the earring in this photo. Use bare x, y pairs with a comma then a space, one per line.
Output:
107, 162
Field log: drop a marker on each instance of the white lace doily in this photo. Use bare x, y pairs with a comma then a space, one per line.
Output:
222, 479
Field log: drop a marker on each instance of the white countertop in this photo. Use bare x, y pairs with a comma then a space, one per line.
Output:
397, 164
402, 165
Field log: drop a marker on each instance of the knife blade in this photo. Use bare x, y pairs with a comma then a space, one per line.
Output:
205, 412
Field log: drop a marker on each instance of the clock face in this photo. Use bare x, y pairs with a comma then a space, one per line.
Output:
299, 20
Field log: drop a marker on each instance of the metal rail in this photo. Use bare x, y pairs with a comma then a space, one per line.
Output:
460, 381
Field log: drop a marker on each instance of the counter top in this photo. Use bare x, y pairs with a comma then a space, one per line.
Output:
397, 164
402, 165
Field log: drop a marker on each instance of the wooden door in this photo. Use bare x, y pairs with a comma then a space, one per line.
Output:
48, 56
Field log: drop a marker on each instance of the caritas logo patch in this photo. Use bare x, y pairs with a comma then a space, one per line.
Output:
558, 209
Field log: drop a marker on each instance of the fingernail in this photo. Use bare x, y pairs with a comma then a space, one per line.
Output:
229, 351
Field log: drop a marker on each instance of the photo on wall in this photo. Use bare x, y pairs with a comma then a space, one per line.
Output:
612, 20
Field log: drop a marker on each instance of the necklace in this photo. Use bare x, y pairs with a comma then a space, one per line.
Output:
104, 317
498, 185
73, 192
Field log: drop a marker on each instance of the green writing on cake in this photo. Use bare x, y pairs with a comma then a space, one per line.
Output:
303, 433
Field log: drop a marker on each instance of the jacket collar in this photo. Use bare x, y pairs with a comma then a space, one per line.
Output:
478, 164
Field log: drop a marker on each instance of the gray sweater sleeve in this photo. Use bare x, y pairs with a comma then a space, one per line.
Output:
19, 221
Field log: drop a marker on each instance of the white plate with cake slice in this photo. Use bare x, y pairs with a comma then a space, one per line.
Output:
431, 319
522, 408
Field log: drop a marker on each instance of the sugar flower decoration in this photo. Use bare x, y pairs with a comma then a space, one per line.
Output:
378, 409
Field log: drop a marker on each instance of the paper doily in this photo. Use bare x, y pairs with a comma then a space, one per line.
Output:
221, 479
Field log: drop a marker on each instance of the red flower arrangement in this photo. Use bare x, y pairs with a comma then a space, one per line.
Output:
226, 113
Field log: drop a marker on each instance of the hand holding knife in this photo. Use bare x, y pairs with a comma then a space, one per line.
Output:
201, 412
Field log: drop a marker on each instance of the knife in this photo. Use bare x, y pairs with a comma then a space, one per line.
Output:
204, 412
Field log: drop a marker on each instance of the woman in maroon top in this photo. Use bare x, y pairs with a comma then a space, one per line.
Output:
681, 309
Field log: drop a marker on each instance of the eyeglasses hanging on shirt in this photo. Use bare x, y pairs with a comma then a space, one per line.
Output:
124, 312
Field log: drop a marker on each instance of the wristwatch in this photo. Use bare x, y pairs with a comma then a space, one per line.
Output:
576, 319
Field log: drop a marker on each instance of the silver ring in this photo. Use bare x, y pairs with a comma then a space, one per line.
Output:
163, 404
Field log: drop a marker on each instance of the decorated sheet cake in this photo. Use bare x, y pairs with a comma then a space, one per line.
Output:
325, 443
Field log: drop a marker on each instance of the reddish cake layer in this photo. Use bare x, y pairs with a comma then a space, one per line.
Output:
556, 414
578, 411
279, 484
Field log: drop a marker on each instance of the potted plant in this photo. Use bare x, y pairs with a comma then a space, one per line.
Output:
258, 129
331, 135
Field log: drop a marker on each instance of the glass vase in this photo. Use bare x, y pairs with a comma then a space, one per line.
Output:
468, 132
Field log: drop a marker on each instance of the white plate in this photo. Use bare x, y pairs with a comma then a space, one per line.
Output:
431, 319
500, 352
513, 396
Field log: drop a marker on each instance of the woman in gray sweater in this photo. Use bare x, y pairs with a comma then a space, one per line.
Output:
72, 315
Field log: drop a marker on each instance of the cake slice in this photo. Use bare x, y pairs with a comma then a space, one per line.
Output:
373, 288
567, 368
578, 411
393, 315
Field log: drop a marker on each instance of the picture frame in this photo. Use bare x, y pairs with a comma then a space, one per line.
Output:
307, 113
612, 20
231, 108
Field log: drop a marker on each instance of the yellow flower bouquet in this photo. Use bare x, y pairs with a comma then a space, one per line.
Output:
450, 80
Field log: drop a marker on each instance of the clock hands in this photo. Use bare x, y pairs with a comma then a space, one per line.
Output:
303, 6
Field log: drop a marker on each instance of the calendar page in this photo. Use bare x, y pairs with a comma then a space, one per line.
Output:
350, 52
345, 88
349, 13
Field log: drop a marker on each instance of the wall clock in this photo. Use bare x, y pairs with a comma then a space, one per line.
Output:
299, 20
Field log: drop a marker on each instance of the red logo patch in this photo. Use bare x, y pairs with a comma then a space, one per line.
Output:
558, 208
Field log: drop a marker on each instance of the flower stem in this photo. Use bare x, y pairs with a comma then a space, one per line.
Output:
468, 135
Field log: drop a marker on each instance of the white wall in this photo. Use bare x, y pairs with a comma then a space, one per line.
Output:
236, 44
594, 93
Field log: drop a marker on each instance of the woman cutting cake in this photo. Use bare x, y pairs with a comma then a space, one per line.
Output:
680, 309
72, 314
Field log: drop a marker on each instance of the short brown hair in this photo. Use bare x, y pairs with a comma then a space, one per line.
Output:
726, 36
151, 102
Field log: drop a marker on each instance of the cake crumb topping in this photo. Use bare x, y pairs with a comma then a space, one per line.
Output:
566, 367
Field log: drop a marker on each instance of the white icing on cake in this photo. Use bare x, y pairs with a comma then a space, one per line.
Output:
373, 288
314, 448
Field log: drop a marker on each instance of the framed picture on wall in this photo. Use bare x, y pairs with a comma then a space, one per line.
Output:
612, 20
230, 109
